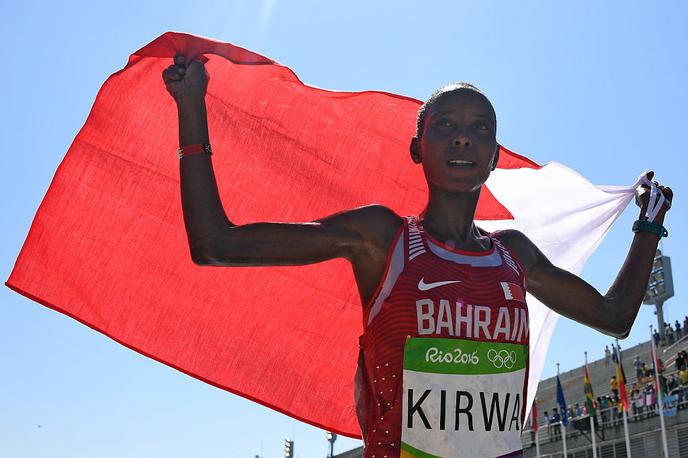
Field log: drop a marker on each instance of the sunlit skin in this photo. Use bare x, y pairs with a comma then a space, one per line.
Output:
460, 125
457, 149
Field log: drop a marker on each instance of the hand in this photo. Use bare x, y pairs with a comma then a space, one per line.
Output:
186, 82
642, 198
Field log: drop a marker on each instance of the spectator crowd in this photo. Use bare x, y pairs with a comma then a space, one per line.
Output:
642, 395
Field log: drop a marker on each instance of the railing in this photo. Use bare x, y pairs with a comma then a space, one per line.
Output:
610, 417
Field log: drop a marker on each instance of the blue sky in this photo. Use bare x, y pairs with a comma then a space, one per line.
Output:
598, 86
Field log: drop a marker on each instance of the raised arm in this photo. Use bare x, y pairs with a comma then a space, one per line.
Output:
571, 296
361, 235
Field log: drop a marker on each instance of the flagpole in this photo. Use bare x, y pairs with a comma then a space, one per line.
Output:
534, 426
590, 415
628, 440
659, 394
561, 419
623, 407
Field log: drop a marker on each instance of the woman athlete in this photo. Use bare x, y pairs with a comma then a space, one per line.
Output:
444, 355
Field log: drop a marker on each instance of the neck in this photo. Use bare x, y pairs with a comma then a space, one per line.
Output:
448, 216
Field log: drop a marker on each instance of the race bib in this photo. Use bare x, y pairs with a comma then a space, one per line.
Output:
462, 398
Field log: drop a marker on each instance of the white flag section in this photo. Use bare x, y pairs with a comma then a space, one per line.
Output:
567, 217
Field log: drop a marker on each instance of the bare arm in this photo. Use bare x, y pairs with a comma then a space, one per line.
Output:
571, 296
215, 240
358, 235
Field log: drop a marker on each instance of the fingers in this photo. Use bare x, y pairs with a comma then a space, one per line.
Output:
173, 73
649, 175
176, 71
180, 59
195, 63
668, 194
187, 76
666, 191
642, 194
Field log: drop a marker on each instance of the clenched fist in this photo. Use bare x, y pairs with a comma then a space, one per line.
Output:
186, 82
642, 198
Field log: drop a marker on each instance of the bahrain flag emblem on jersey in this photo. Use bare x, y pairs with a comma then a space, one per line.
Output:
513, 292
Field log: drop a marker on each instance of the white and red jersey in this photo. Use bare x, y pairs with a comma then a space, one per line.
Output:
444, 300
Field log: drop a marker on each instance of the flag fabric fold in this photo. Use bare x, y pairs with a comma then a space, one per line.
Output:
108, 248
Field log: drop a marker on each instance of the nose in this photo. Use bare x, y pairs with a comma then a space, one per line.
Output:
461, 140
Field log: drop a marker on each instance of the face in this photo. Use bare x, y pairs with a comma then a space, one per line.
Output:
458, 145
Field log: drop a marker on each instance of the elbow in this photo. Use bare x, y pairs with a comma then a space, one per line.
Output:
200, 257
618, 319
203, 254
619, 329
625, 329
211, 253
622, 333
219, 250
200, 260
614, 331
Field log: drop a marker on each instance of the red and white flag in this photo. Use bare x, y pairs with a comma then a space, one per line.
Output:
108, 247
513, 292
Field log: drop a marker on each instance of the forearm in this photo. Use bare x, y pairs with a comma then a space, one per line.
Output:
624, 297
612, 313
214, 240
193, 121
204, 216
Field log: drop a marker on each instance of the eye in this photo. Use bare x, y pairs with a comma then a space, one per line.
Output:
481, 125
444, 122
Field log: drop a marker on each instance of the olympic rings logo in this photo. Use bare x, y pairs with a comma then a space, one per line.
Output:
501, 358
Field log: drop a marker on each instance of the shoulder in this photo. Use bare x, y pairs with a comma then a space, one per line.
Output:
375, 225
375, 212
368, 219
519, 245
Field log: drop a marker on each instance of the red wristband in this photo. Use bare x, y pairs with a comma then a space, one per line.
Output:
191, 150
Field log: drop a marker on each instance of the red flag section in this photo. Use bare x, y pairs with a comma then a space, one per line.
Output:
108, 248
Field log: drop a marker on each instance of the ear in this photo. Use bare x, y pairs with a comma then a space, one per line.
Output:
414, 147
496, 158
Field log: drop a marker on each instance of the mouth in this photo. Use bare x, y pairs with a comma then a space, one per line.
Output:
460, 163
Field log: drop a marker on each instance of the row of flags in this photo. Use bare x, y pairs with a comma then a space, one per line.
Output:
623, 399
590, 404
589, 396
